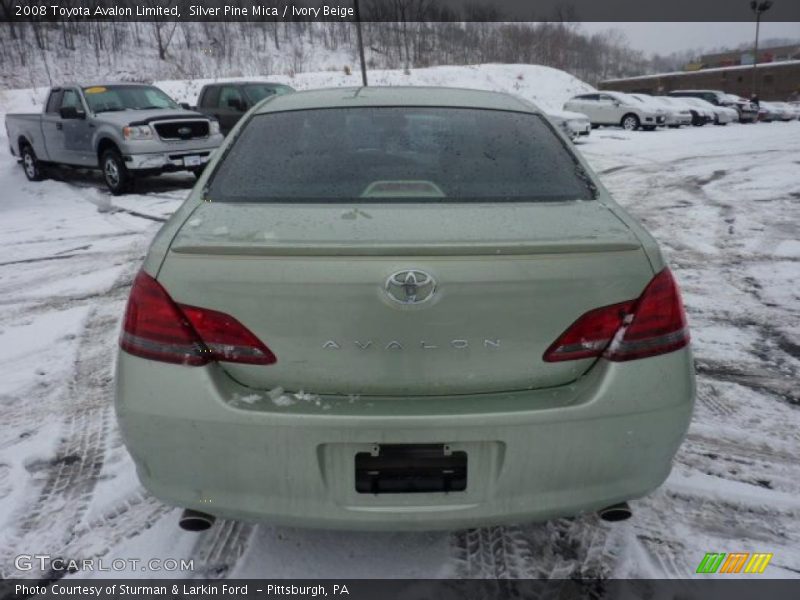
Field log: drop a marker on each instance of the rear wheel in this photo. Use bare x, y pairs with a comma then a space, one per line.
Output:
31, 164
115, 174
630, 122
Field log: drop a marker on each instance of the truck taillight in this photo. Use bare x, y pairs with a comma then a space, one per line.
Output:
653, 324
157, 328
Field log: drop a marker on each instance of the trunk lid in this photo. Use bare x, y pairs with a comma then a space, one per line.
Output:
312, 281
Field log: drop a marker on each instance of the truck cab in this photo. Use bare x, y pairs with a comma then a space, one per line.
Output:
227, 102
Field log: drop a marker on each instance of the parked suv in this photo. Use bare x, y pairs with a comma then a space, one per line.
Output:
748, 112
125, 130
615, 108
227, 102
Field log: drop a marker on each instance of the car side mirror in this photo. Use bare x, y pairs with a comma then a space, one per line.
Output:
236, 104
185, 106
71, 112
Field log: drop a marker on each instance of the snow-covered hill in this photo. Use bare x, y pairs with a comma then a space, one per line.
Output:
547, 87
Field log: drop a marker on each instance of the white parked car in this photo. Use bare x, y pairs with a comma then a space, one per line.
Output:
700, 116
793, 108
675, 114
720, 115
781, 111
573, 124
616, 108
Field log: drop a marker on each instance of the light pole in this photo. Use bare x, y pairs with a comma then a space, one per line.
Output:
759, 8
357, 15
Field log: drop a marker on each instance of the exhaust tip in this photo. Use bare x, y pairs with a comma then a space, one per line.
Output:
616, 512
194, 520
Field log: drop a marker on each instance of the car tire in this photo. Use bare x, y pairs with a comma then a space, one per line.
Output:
630, 122
30, 164
115, 173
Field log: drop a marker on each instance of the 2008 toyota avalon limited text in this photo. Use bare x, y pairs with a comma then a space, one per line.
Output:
401, 308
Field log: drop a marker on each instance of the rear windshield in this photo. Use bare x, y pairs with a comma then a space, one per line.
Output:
395, 154
258, 91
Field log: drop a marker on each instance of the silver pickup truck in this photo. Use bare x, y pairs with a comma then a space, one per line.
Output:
125, 130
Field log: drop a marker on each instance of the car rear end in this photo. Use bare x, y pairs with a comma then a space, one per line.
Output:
574, 125
748, 111
677, 117
421, 311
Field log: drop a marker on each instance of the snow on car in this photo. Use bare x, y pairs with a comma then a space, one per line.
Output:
573, 124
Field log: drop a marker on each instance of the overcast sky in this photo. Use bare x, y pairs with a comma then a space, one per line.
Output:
664, 38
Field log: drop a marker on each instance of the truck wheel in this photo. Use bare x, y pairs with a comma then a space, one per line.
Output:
115, 173
31, 164
630, 122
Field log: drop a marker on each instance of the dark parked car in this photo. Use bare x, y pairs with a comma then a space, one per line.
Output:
229, 101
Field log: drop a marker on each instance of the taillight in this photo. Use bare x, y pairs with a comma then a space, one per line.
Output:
653, 324
590, 335
157, 328
227, 339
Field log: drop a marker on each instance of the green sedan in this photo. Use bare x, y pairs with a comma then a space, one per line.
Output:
401, 308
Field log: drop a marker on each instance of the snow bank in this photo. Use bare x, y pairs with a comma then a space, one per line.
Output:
547, 87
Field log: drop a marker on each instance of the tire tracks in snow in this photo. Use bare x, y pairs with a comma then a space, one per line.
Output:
71, 476
220, 548
582, 547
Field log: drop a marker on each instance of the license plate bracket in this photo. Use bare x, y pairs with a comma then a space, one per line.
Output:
410, 469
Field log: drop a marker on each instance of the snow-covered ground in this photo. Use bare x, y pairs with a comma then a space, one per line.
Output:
723, 201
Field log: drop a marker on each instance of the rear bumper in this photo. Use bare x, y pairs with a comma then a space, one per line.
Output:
678, 119
580, 128
200, 440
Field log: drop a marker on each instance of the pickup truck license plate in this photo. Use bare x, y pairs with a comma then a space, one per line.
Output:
192, 161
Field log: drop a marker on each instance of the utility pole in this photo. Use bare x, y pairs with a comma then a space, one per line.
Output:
759, 8
360, 43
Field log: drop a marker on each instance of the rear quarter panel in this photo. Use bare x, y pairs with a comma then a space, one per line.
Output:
28, 127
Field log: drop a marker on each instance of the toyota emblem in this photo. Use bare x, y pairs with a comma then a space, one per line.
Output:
410, 286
